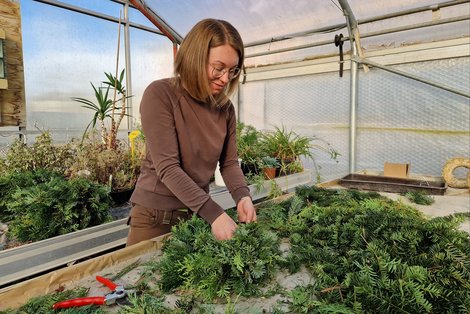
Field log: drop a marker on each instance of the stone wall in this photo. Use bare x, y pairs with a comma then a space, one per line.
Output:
12, 99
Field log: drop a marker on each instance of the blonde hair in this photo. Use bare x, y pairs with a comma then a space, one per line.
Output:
190, 67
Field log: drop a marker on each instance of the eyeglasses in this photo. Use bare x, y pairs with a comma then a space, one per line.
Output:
218, 71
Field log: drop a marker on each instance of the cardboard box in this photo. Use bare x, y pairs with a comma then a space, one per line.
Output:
396, 170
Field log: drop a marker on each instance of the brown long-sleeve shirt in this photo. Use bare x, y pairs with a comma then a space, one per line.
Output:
184, 141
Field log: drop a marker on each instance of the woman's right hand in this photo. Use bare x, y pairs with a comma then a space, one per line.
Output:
223, 227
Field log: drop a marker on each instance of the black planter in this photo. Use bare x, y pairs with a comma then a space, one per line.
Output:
121, 197
249, 168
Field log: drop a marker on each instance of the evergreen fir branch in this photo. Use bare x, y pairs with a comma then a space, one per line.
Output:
385, 255
193, 260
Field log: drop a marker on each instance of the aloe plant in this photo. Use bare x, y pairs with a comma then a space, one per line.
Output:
102, 109
105, 108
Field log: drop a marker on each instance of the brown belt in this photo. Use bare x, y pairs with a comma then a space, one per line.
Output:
169, 214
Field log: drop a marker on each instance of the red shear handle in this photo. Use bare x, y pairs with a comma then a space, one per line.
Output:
79, 302
111, 285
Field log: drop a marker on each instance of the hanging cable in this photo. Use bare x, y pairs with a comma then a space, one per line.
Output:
339, 43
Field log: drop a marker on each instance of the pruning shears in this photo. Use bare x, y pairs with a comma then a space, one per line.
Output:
118, 292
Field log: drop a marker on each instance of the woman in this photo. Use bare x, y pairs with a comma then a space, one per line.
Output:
189, 125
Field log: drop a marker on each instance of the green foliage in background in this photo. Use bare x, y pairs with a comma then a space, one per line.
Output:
13, 181
248, 147
43, 154
286, 146
419, 198
106, 108
97, 163
42, 204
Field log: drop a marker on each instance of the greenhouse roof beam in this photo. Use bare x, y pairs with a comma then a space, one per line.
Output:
364, 35
416, 26
156, 20
359, 22
434, 7
336, 27
411, 76
300, 34
77, 9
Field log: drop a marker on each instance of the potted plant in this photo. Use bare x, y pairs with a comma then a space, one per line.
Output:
269, 166
114, 109
248, 148
117, 168
288, 147
106, 108
104, 158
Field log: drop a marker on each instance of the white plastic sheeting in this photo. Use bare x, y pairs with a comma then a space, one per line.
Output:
287, 25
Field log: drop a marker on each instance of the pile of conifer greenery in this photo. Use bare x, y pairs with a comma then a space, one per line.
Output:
370, 254
40, 204
367, 253
211, 269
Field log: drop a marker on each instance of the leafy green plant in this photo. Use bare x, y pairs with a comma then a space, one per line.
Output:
269, 166
275, 190
268, 162
14, 181
288, 147
285, 145
257, 180
248, 147
102, 109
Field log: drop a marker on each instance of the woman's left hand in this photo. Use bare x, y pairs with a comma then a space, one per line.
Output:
245, 209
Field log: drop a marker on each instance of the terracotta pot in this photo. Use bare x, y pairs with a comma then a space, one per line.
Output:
269, 173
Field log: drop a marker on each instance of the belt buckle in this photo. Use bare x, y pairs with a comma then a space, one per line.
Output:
167, 217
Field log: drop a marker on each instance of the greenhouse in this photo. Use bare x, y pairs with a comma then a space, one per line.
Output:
360, 110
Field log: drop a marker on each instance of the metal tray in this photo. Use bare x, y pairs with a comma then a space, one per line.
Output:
393, 185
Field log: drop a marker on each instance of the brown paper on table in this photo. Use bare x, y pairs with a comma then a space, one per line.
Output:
19, 294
